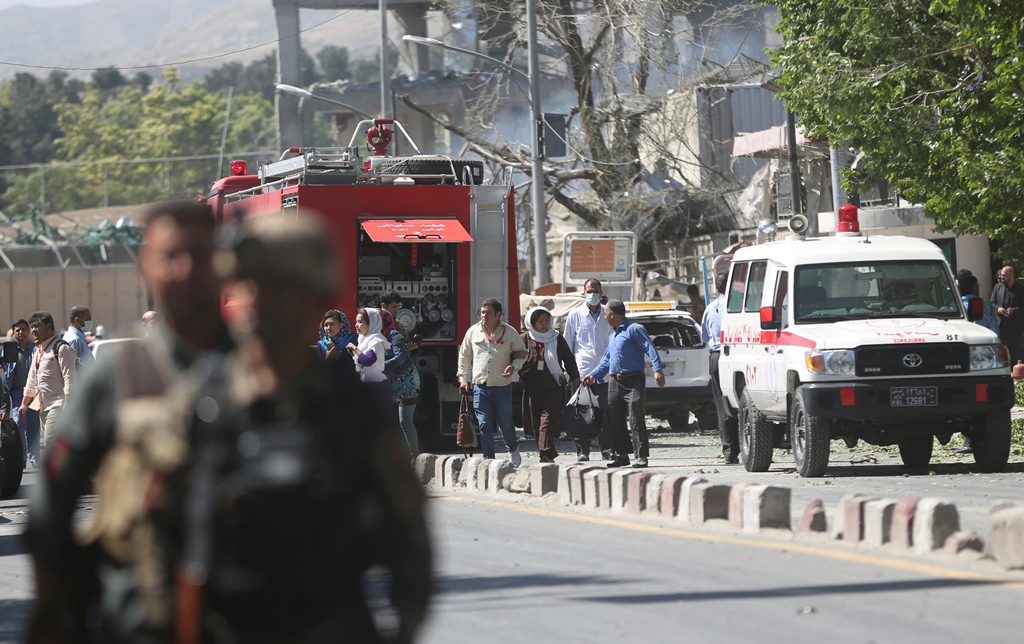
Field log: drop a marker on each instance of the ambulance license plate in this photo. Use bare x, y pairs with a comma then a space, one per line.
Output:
914, 396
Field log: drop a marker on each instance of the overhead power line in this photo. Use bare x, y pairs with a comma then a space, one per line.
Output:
179, 62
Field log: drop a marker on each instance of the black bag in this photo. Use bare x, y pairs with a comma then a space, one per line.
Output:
583, 416
465, 434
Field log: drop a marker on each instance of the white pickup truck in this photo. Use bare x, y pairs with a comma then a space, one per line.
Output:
858, 338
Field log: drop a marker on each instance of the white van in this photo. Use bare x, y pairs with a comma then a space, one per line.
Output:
858, 338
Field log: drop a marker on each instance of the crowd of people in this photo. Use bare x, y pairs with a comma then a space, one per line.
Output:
380, 351
600, 349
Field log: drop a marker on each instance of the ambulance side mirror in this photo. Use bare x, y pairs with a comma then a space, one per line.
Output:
975, 309
769, 321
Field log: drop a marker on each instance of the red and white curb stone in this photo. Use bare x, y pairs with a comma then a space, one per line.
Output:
919, 525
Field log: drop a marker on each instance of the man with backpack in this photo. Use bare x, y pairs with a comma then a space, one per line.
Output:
51, 375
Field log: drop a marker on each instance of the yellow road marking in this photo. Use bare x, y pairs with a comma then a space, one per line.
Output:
807, 549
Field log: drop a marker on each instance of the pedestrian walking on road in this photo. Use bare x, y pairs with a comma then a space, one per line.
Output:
711, 334
369, 351
491, 353
549, 368
587, 332
623, 362
1008, 296
79, 324
51, 376
16, 378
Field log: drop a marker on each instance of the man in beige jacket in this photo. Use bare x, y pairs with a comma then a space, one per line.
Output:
491, 352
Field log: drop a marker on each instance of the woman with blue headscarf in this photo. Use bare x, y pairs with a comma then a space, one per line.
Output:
335, 334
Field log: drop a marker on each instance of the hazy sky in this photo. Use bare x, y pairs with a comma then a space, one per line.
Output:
4, 4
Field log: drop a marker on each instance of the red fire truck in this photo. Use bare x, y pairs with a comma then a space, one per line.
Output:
424, 226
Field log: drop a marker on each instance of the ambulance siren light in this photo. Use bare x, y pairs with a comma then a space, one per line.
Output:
848, 223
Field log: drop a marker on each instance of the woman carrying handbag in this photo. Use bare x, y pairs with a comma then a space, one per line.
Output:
549, 367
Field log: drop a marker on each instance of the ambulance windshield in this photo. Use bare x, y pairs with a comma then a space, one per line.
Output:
850, 291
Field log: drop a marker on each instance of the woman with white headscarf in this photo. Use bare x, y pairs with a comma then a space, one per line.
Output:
550, 366
369, 352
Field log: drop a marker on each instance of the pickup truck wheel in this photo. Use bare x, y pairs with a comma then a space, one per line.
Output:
916, 451
992, 446
810, 437
755, 436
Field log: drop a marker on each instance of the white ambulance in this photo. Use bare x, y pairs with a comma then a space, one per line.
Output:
858, 338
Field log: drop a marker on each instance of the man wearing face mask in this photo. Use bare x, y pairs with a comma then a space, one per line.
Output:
586, 332
80, 323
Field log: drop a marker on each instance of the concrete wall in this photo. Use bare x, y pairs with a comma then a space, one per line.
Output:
115, 294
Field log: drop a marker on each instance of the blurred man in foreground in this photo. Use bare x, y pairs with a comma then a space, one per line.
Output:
243, 490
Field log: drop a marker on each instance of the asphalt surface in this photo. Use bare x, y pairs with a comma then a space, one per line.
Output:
16, 585
514, 569
865, 469
517, 570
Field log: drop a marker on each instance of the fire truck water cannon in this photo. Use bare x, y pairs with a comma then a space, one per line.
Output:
379, 136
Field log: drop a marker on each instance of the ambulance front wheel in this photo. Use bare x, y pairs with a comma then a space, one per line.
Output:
755, 436
810, 437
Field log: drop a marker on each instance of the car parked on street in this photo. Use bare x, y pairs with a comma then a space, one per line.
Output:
687, 388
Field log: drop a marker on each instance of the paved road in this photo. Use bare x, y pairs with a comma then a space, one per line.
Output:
16, 589
874, 471
520, 571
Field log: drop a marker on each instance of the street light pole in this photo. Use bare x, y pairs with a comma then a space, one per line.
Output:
305, 93
540, 215
540, 254
383, 58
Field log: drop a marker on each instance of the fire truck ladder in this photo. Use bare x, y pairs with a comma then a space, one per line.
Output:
489, 251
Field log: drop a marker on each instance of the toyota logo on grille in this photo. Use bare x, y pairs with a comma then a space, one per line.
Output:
912, 360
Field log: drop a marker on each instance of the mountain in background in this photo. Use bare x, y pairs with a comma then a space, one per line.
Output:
151, 34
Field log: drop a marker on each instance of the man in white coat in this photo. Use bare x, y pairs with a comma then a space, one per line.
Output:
587, 331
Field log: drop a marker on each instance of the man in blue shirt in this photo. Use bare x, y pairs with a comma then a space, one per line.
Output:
80, 320
623, 363
16, 374
711, 334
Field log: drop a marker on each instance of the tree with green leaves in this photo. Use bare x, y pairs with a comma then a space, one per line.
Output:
334, 62
259, 76
170, 120
929, 90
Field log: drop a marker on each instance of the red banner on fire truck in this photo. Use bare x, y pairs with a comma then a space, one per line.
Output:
415, 230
